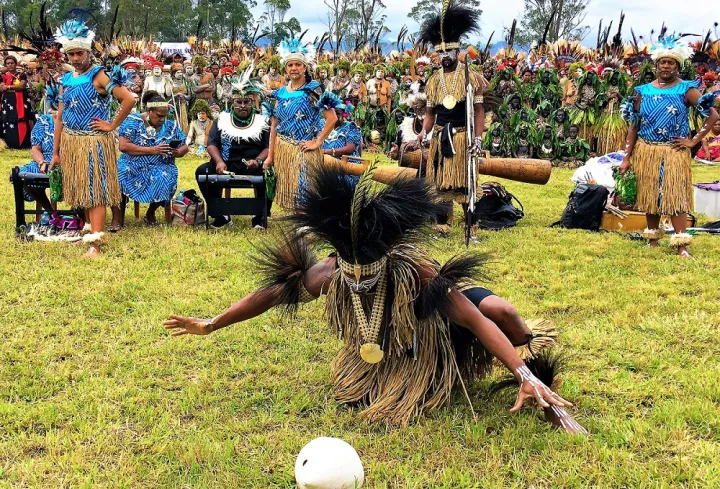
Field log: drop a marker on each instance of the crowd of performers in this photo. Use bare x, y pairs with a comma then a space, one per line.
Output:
413, 329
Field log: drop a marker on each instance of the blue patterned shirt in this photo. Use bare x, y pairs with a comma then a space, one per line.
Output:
81, 101
43, 135
299, 112
663, 112
348, 133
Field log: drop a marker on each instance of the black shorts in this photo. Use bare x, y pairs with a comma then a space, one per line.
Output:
477, 294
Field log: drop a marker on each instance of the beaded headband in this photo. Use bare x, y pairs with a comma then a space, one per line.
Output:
155, 105
358, 271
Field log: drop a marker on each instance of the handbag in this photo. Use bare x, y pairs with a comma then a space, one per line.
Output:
188, 208
55, 183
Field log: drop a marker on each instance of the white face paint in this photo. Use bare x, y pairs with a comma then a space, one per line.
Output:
448, 55
215, 114
323, 74
189, 70
202, 116
578, 73
131, 71
357, 78
178, 75
379, 74
157, 71
261, 73
273, 71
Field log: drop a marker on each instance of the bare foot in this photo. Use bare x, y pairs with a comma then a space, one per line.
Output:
115, 226
653, 243
92, 252
560, 418
682, 251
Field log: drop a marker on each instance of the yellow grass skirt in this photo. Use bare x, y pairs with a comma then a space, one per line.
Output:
89, 169
664, 179
449, 175
292, 167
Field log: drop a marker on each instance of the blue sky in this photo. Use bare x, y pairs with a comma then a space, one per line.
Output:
641, 15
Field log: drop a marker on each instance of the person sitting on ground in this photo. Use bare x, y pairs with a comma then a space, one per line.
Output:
710, 150
346, 138
238, 143
149, 144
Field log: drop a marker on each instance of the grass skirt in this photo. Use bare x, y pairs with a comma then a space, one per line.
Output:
401, 386
611, 133
89, 169
449, 175
664, 179
292, 166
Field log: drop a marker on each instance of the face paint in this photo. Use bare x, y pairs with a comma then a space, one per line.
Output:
189, 70
448, 55
379, 74
261, 73
215, 114
202, 116
273, 71
178, 75
358, 78
157, 71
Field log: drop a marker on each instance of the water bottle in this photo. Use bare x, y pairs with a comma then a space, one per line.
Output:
45, 219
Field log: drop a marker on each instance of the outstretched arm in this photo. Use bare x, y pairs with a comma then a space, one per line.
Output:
316, 281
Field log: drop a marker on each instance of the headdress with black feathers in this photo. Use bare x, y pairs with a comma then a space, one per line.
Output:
444, 30
361, 219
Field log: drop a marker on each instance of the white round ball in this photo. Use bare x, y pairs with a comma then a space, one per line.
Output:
329, 463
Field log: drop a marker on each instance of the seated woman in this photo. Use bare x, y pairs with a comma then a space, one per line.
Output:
710, 150
346, 137
42, 138
238, 143
197, 136
149, 144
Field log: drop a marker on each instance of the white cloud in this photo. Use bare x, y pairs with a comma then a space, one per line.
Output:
642, 15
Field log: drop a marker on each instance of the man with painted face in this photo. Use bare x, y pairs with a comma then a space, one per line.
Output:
135, 84
238, 143
379, 91
446, 116
181, 94
357, 90
158, 83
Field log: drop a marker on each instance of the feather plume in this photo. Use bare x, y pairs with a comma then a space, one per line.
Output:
456, 22
390, 216
362, 193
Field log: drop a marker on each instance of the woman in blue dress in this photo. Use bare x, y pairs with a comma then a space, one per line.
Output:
41, 139
85, 143
302, 117
658, 142
149, 144
346, 138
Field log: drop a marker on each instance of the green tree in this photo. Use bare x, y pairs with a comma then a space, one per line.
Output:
568, 21
426, 8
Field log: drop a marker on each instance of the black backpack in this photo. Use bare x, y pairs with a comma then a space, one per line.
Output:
495, 210
585, 207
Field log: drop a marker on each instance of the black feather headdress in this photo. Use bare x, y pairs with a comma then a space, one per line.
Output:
449, 26
388, 215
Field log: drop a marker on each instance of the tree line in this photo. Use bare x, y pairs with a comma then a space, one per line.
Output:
350, 24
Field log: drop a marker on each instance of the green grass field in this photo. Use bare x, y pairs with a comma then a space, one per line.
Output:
93, 393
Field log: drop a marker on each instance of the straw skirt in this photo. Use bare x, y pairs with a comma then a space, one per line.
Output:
664, 179
292, 167
89, 169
